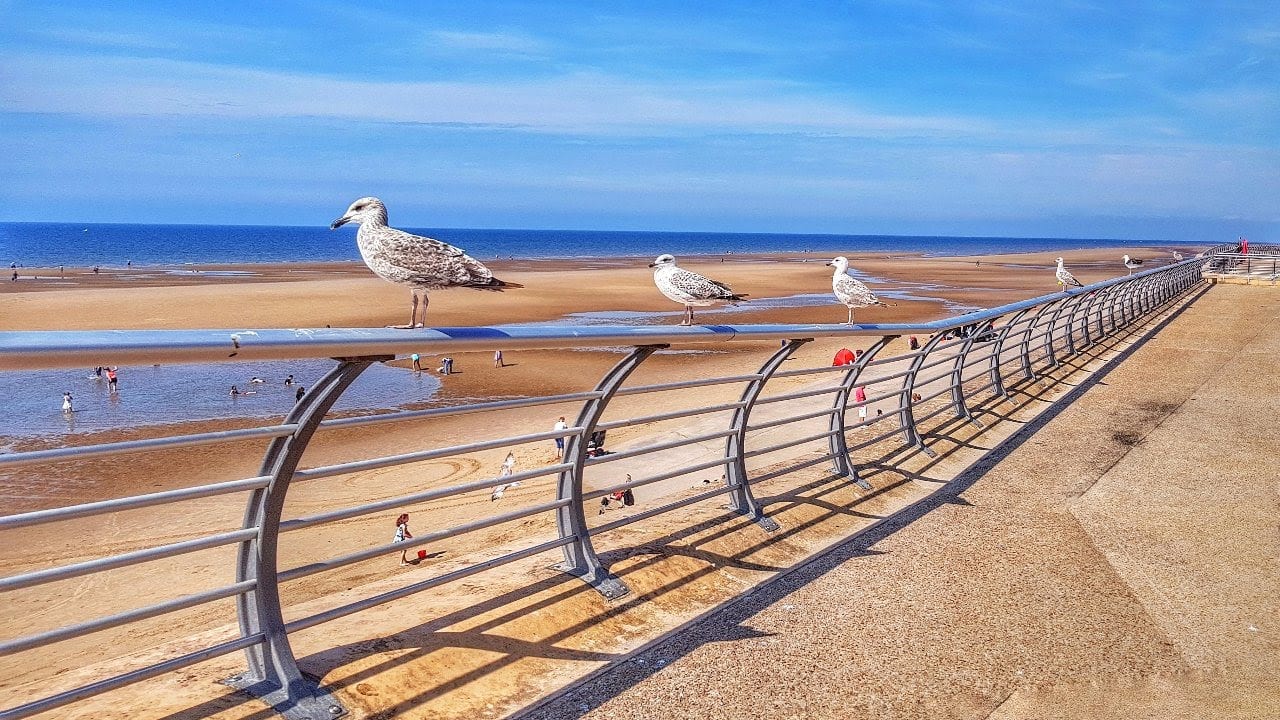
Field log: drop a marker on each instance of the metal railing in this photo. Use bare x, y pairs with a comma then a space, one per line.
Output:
751, 436
1261, 262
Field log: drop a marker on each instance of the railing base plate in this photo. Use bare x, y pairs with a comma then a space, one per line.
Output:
319, 705
607, 585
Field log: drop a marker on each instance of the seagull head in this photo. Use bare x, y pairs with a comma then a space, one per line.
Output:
1126, 258
366, 209
1059, 262
663, 261
840, 263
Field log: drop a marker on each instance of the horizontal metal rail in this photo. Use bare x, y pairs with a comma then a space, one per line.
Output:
80, 452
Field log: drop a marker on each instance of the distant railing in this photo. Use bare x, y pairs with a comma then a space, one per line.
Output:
757, 436
1260, 261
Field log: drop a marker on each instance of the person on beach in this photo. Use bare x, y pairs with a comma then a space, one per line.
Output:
111, 380
559, 426
913, 343
235, 391
98, 372
288, 382
497, 359
448, 366
297, 396
15, 276
402, 534
417, 362
66, 403
255, 380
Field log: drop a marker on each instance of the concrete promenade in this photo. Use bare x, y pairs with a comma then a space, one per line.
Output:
1117, 557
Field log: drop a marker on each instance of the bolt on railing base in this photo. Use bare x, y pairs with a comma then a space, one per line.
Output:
767, 524
312, 703
926, 450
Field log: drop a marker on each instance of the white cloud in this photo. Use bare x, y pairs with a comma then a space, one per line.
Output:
578, 103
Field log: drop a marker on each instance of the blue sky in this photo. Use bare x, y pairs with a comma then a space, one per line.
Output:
1109, 119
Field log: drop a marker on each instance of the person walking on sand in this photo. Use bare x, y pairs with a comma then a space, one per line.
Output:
402, 534
497, 359
559, 426
417, 362
111, 380
66, 403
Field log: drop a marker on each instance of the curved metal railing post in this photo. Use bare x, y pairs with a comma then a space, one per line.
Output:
841, 461
741, 500
957, 373
580, 557
997, 377
1049, 351
1127, 304
1071, 321
273, 670
1094, 297
1025, 343
906, 410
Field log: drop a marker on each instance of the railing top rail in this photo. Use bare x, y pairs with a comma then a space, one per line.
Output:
41, 349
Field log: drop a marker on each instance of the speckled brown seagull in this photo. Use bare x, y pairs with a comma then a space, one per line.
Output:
422, 263
689, 288
851, 292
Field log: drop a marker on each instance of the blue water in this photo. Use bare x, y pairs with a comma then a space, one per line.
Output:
53, 244
162, 394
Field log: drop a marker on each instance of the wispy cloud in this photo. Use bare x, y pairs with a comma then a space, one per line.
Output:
579, 102
509, 42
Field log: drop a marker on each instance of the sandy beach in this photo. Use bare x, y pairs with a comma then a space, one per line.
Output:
340, 295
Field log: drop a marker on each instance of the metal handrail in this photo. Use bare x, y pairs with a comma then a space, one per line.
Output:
1040, 330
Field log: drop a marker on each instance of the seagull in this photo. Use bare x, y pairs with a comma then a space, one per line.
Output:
1132, 263
689, 288
1177, 256
1065, 278
508, 466
849, 290
422, 263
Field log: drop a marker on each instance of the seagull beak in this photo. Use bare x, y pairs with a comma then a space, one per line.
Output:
830, 264
653, 264
340, 222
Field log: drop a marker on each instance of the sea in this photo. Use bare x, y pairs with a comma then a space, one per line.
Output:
150, 395
108, 245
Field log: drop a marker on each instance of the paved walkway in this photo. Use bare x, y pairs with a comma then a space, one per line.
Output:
1116, 558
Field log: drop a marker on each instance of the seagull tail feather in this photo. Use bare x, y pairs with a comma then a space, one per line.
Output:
495, 285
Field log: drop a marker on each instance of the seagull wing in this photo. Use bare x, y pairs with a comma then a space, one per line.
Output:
432, 262
703, 288
1066, 278
852, 291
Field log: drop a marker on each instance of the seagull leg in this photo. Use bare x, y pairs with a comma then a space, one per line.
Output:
850, 315
413, 311
425, 301
688, 315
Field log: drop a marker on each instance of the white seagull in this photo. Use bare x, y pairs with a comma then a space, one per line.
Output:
689, 288
1065, 278
1132, 263
508, 466
850, 291
1177, 256
422, 263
